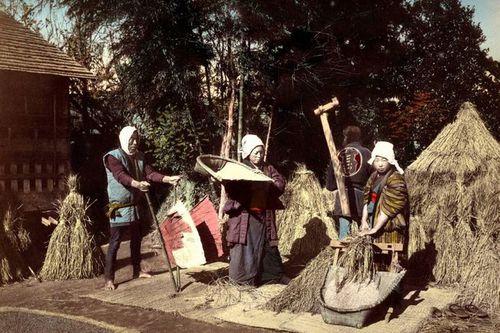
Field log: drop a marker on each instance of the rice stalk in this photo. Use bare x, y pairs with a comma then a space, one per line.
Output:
224, 292
357, 262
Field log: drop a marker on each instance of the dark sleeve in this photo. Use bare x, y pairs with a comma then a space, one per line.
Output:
152, 174
279, 182
118, 170
331, 183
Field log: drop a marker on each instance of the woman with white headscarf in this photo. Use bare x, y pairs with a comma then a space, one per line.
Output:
128, 178
252, 234
386, 203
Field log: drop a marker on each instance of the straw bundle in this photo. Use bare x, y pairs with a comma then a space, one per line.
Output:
13, 240
304, 227
72, 251
302, 294
14, 230
357, 262
455, 198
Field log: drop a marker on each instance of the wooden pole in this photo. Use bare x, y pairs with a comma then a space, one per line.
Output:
268, 136
339, 177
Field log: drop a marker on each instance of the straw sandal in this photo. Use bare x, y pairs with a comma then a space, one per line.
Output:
458, 311
475, 311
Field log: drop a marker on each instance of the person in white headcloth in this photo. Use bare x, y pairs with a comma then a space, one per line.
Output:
386, 203
128, 178
252, 235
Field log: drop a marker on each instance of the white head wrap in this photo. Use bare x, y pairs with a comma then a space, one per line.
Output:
249, 143
124, 136
386, 150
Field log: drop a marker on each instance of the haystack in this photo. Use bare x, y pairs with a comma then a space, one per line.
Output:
72, 252
455, 196
304, 228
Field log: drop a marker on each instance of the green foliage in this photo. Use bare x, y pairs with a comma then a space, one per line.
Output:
172, 141
178, 62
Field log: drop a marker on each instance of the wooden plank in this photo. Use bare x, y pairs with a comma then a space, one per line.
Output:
50, 185
386, 247
26, 186
13, 185
38, 185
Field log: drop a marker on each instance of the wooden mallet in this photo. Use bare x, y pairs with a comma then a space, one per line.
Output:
322, 112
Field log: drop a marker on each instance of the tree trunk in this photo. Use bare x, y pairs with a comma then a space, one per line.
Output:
226, 141
240, 118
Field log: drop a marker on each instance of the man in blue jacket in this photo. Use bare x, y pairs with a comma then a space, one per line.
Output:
128, 178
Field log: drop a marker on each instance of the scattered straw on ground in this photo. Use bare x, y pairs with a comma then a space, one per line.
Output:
302, 294
224, 292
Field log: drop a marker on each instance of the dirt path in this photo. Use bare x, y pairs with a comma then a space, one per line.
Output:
68, 298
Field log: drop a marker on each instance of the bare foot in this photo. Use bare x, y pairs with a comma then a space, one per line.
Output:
109, 285
142, 275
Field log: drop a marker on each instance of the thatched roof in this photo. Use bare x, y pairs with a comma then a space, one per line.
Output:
463, 147
23, 50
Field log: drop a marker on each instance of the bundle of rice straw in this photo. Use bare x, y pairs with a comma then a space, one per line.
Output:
302, 294
14, 230
455, 198
357, 262
14, 239
72, 252
304, 228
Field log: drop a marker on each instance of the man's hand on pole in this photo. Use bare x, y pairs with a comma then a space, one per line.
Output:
143, 185
173, 180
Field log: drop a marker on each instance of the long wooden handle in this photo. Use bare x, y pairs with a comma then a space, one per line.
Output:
339, 177
175, 282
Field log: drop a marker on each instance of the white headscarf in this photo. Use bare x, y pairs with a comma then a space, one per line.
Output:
124, 136
386, 150
249, 143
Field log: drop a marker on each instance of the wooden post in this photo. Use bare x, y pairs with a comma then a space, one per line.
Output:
339, 177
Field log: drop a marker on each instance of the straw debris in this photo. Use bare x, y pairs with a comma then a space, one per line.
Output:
455, 196
72, 252
302, 294
304, 228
